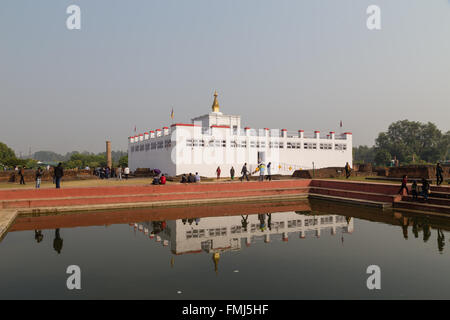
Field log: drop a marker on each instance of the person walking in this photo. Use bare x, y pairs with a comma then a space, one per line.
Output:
126, 172
38, 177
262, 169
404, 185
232, 173
59, 173
21, 175
218, 171
348, 170
244, 172
269, 171
439, 174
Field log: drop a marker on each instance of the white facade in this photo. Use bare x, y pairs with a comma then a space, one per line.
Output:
216, 140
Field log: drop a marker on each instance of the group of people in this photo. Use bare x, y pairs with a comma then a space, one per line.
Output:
159, 179
106, 172
190, 178
425, 189
58, 173
415, 192
245, 173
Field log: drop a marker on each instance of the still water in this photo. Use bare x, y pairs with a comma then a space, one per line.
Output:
289, 250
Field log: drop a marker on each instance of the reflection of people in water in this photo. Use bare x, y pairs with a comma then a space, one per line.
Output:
244, 222
440, 240
197, 220
57, 242
38, 236
426, 232
269, 221
262, 221
405, 228
158, 226
348, 219
190, 221
415, 228
216, 257
184, 220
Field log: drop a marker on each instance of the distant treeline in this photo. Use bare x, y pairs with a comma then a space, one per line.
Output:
71, 160
84, 159
409, 142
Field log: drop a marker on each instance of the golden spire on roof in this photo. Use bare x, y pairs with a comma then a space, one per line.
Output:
215, 106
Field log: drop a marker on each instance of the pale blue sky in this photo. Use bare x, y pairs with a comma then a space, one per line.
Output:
279, 63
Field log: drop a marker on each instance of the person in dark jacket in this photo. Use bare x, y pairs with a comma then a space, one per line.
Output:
59, 173
244, 172
439, 174
425, 188
21, 175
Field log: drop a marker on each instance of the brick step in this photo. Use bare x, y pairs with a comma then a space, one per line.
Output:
134, 190
379, 188
443, 189
359, 202
421, 207
92, 200
431, 200
361, 195
442, 195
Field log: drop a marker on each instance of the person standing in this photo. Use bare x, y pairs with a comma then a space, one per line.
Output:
425, 189
21, 174
404, 185
38, 177
232, 173
414, 190
269, 171
126, 171
244, 172
59, 173
119, 173
439, 174
348, 170
218, 171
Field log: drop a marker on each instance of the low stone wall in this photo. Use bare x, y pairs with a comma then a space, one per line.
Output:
417, 171
72, 174
332, 172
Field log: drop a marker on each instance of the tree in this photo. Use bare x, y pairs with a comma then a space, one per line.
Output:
123, 161
363, 154
382, 157
407, 138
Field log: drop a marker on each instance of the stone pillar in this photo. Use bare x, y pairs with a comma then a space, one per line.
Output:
108, 154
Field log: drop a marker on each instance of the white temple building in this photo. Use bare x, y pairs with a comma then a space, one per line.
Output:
218, 140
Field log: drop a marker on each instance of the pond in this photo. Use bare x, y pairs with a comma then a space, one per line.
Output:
288, 250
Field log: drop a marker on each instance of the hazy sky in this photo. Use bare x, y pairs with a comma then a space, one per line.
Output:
291, 64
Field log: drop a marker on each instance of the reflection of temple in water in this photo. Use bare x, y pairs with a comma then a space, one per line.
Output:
218, 234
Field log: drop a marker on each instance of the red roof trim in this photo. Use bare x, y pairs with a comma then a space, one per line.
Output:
185, 125
165, 127
316, 131
151, 131
158, 129
347, 133
301, 130
266, 129
332, 132
283, 129
215, 126
246, 128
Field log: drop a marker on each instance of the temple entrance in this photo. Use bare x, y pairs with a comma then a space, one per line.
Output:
261, 156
